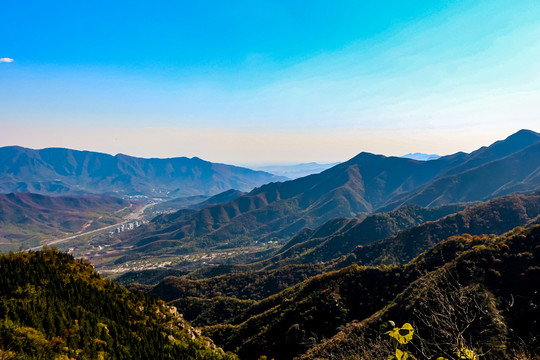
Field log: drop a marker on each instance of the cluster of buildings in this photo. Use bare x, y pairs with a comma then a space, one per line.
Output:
129, 226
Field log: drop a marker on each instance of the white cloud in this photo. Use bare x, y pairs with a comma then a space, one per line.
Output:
6, 60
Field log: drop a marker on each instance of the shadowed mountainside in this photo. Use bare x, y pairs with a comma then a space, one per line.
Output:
493, 217
481, 294
342, 235
482, 274
226, 196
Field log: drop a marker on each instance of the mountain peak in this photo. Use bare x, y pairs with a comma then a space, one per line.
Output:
523, 135
513, 143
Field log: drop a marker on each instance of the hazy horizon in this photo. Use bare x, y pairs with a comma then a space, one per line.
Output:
268, 83
264, 166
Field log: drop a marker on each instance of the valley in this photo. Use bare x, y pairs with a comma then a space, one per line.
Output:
132, 220
238, 227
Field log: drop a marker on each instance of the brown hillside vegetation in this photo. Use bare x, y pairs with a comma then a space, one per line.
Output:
498, 274
493, 217
486, 298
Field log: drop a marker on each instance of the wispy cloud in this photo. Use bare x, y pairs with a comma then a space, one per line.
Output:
6, 60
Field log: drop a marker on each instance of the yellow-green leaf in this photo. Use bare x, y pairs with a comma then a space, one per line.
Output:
465, 353
404, 334
401, 355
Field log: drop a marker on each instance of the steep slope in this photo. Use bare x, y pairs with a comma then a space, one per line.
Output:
55, 307
61, 171
25, 218
340, 236
485, 299
486, 273
367, 183
498, 150
493, 217
374, 235
224, 197
278, 210
517, 172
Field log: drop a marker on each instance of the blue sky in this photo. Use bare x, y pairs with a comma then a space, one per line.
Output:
250, 82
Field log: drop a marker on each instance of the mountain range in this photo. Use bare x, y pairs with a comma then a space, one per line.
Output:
365, 184
388, 238
54, 171
398, 236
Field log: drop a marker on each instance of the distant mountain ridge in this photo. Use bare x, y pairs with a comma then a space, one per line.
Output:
421, 156
296, 171
365, 184
65, 171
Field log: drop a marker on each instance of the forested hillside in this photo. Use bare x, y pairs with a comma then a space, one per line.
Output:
484, 298
355, 239
476, 292
340, 236
493, 217
55, 307
286, 311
